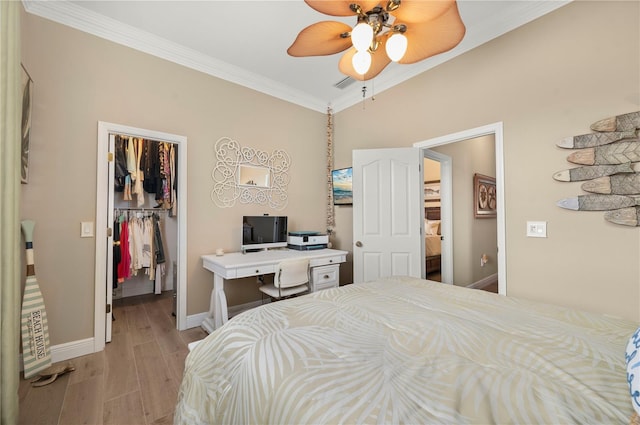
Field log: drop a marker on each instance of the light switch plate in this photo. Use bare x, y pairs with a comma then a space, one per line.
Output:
537, 229
86, 229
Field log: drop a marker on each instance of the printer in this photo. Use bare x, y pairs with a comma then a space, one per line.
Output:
304, 241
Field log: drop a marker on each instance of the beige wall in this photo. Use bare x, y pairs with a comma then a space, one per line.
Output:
431, 172
80, 80
545, 81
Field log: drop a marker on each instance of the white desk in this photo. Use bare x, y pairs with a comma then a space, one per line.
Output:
236, 265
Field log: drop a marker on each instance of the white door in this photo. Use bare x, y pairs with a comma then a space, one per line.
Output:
388, 211
109, 249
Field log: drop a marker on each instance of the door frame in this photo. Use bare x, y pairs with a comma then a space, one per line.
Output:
497, 130
446, 213
103, 188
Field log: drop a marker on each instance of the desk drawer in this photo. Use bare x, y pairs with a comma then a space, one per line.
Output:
254, 270
325, 277
336, 259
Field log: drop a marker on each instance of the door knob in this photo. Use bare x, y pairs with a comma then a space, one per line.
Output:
359, 244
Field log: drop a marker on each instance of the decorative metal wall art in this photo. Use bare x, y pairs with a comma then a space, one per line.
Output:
249, 175
610, 160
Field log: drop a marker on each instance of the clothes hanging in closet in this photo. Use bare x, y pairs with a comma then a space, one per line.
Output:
140, 247
120, 171
146, 166
166, 188
124, 266
117, 254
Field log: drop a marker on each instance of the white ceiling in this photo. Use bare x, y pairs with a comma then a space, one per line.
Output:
245, 41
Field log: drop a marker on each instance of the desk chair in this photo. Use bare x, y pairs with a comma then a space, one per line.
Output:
291, 278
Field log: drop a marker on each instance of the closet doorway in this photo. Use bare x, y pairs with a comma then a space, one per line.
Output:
111, 204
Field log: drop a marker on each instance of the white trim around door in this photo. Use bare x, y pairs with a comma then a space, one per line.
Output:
497, 130
102, 191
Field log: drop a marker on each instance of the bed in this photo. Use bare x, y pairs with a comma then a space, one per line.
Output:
406, 350
432, 245
432, 239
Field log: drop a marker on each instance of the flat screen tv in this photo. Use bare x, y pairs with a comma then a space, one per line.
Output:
263, 232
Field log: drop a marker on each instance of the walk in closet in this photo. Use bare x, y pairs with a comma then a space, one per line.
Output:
144, 216
157, 195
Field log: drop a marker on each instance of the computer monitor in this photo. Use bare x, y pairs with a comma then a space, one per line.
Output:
263, 232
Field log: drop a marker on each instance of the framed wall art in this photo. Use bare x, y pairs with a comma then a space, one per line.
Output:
342, 183
484, 196
432, 191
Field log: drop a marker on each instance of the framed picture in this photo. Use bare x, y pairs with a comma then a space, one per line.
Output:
432, 191
342, 183
484, 196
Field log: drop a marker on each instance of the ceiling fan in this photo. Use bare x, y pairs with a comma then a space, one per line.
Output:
408, 31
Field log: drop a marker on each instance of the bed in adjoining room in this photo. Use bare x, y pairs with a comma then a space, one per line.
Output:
432, 242
405, 350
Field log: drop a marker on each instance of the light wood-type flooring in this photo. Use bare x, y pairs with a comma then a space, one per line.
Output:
134, 381
492, 287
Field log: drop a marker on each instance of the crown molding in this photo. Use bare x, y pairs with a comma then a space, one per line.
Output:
71, 15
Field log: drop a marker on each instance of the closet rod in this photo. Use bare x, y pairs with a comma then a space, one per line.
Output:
141, 209
136, 136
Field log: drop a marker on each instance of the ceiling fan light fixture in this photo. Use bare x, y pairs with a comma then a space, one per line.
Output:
361, 62
362, 36
392, 5
436, 27
396, 46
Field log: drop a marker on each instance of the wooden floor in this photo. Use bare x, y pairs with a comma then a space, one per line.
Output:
134, 381
492, 287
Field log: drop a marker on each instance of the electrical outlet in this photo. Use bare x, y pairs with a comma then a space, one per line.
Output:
537, 229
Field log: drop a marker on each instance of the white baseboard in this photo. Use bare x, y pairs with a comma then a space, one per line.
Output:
69, 350
234, 310
72, 350
484, 282
196, 320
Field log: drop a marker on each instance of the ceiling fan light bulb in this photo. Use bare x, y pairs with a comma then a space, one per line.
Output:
361, 62
361, 36
396, 47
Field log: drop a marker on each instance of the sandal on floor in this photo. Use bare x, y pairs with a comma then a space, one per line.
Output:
50, 374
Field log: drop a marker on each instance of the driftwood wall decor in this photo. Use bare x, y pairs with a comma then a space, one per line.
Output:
609, 162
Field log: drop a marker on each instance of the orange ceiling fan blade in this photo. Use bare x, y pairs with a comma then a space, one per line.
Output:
340, 7
321, 39
379, 61
411, 11
434, 37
